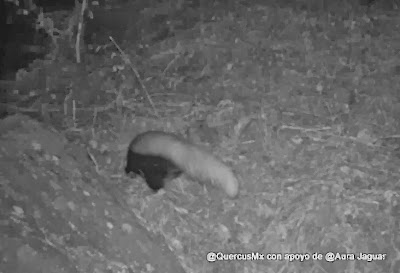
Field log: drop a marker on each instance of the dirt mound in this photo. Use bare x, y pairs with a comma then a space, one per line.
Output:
56, 214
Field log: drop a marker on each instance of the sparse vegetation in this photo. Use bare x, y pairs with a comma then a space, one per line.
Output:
304, 103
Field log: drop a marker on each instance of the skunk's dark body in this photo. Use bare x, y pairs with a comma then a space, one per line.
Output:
156, 170
159, 157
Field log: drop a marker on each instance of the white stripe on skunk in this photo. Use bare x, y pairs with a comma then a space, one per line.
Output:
159, 156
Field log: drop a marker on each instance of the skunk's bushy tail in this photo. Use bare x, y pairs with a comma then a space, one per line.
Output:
191, 159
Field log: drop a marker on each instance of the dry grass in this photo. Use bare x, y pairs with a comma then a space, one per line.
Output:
316, 147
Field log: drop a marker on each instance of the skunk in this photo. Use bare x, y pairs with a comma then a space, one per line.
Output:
160, 157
